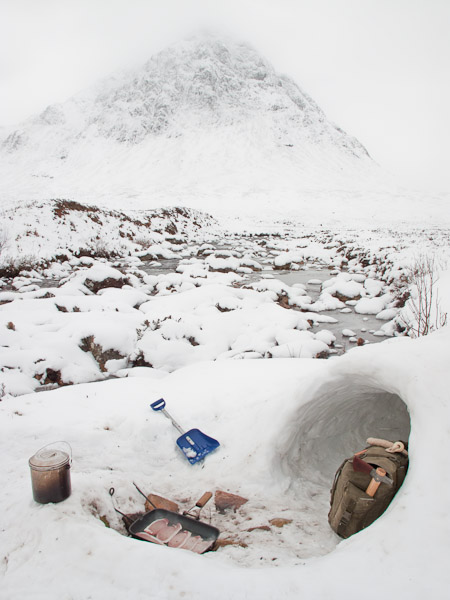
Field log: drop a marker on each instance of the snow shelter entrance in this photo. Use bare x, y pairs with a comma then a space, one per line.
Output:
341, 414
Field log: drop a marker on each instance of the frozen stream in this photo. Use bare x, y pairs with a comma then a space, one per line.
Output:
364, 326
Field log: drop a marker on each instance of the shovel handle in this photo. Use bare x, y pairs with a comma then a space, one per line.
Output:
159, 404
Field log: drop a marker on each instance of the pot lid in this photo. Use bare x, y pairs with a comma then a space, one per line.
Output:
49, 457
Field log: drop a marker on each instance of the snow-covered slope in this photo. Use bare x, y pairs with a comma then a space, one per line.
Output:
203, 122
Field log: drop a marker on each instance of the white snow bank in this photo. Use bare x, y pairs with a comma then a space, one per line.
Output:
215, 321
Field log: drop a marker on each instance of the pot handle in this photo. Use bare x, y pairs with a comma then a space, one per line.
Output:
66, 445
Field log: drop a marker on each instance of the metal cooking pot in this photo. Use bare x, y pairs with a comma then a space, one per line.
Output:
50, 473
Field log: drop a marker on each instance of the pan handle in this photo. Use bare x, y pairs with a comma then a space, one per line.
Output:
199, 504
204, 499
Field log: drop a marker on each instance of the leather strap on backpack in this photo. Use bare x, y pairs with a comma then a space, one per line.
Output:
345, 519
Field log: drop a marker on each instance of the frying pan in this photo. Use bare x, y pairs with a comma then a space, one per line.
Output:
168, 528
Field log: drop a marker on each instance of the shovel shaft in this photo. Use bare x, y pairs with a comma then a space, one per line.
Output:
159, 405
174, 423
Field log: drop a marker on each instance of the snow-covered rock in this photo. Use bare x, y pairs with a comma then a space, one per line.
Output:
387, 314
348, 333
372, 306
344, 287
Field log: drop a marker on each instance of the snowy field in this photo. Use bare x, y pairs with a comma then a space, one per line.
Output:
178, 315
178, 288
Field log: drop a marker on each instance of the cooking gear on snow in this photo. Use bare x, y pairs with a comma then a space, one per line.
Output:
50, 473
165, 527
357, 498
194, 444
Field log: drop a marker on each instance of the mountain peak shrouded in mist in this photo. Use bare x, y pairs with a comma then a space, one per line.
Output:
203, 80
203, 115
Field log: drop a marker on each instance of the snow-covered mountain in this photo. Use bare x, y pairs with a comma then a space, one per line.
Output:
202, 83
203, 121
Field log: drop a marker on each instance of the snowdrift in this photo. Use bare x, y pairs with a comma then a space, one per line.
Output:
283, 426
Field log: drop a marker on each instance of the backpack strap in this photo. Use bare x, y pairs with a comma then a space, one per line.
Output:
345, 519
336, 477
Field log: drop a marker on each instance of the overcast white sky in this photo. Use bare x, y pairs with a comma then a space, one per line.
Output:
380, 69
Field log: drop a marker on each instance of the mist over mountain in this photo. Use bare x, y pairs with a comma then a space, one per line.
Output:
205, 121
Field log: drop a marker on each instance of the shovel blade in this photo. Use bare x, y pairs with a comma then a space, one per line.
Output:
195, 445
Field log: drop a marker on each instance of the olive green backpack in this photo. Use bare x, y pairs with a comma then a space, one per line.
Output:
352, 509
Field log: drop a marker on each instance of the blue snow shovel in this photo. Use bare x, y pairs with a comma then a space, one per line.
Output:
194, 444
